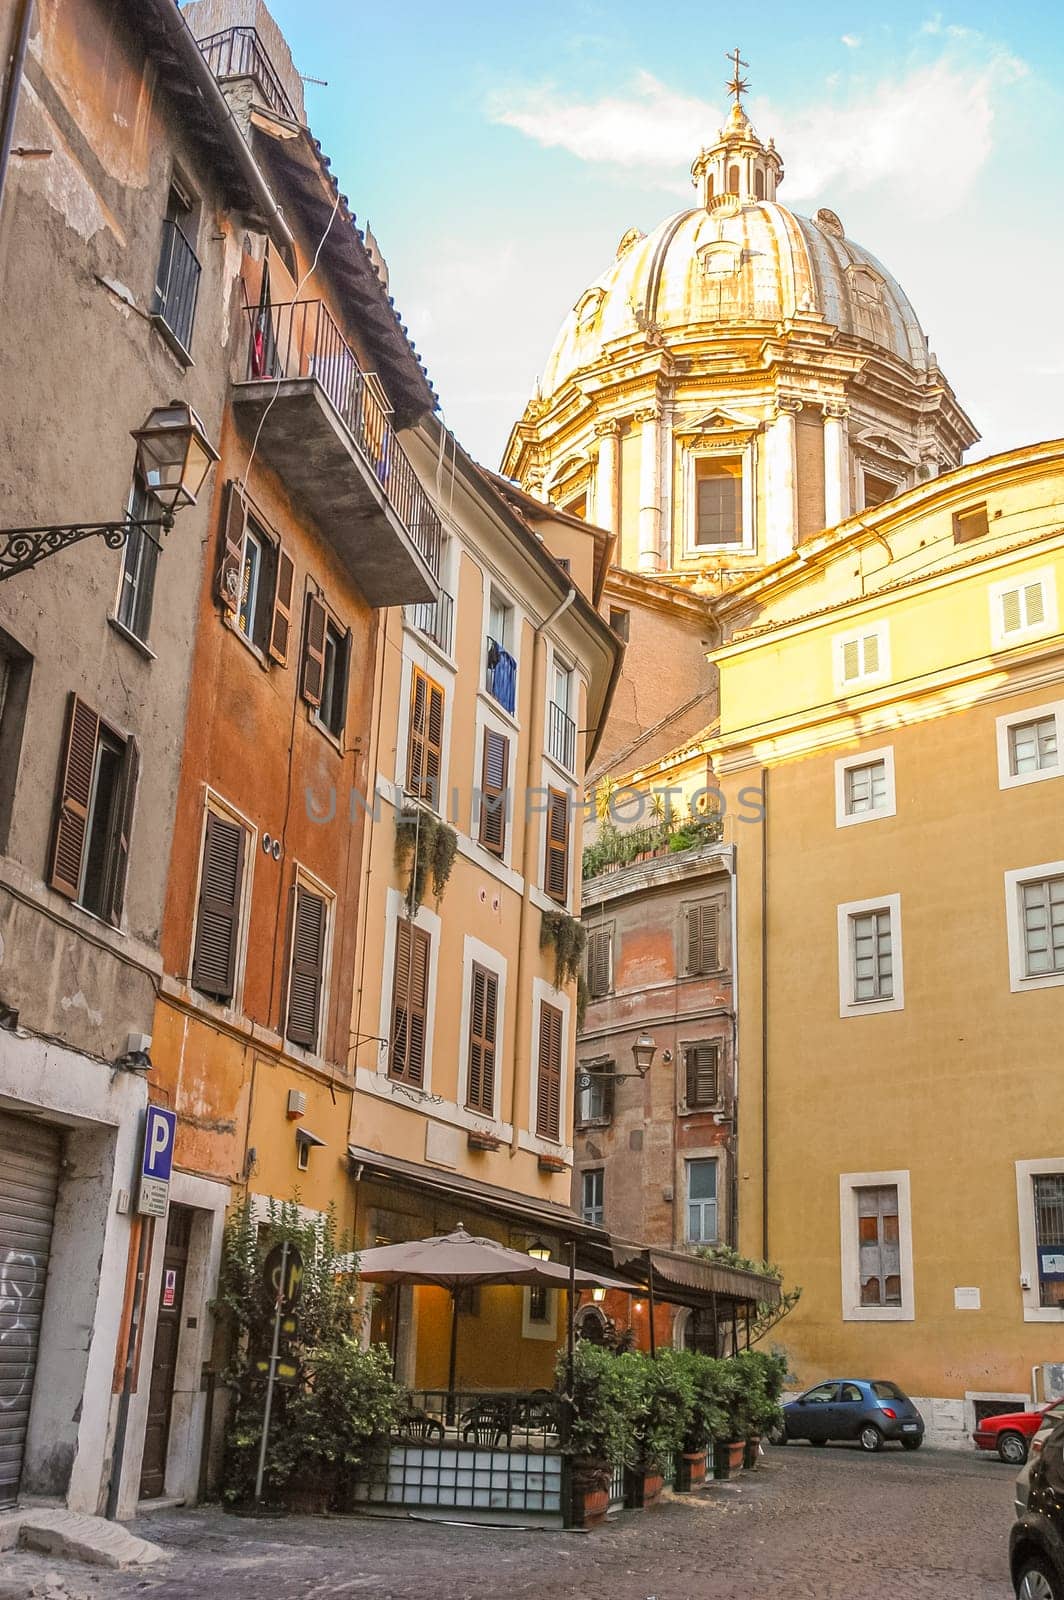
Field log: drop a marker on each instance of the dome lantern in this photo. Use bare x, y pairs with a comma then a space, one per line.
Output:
738, 164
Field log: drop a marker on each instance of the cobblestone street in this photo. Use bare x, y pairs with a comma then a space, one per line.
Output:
826, 1523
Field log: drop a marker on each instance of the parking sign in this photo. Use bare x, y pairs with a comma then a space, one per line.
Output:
157, 1156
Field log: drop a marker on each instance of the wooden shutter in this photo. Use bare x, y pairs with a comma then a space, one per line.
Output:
424, 761
871, 653
495, 772
309, 925
231, 556
218, 912
483, 1010
556, 871
549, 1073
281, 624
410, 1003
702, 1064
313, 674
75, 794
703, 938
1034, 604
123, 830
599, 951
851, 660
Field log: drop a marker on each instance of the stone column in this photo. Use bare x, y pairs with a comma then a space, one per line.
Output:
781, 496
650, 490
607, 475
836, 464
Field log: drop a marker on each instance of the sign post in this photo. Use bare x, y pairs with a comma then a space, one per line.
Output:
157, 1159
283, 1272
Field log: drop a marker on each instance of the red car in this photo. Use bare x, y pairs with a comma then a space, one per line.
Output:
1010, 1435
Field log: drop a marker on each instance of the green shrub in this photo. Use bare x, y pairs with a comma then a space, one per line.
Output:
605, 1402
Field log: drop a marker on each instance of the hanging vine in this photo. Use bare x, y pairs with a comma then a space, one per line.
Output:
568, 937
426, 848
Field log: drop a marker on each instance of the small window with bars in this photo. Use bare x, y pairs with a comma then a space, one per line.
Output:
878, 1245
701, 1075
1049, 1236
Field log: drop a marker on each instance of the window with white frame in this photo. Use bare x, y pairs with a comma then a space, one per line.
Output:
561, 729
864, 787
594, 1100
876, 1247
136, 589
593, 1195
1029, 745
870, 977
701, 1176
862, 657
1049, 1236
1022, 607
718, 502
1034, 903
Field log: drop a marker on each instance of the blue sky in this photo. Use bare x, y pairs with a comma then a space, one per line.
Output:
499, 153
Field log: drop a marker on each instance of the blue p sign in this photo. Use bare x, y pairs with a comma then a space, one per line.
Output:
159, 1129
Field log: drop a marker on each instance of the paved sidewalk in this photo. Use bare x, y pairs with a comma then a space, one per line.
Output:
831, 1524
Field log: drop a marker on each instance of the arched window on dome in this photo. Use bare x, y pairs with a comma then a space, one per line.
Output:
733, 180
709, 187
759, 184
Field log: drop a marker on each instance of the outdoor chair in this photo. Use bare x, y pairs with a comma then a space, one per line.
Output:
419, 1425
486, 1424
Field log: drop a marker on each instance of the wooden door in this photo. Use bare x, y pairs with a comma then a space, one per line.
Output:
164, 1355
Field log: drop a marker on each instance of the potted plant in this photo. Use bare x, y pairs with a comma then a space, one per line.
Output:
764, 1376
665, 1389
708, 1420
600, 1433
730, 1445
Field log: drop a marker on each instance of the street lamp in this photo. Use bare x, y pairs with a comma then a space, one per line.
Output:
643, 1052
598, 1294
539, 1251
174, 456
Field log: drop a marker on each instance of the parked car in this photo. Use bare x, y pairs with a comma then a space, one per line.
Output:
1050, 1417
1011, 1433
870, 1410
1036, 1543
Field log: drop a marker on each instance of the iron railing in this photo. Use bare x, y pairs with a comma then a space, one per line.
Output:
616, 849
177, 284
299, 339
239, 53
435, 619
561, 736
500, 1419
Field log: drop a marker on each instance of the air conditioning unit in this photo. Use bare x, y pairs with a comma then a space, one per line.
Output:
1049, 1377
297, 1104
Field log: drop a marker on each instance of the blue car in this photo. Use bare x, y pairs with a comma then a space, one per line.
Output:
870, 1410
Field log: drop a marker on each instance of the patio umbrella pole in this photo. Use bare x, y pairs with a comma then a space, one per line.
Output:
570, 1338
650, 1308
454, 1357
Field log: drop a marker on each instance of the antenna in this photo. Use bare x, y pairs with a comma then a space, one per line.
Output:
322, 83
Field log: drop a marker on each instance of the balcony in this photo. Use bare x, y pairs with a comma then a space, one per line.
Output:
176, 286
239, 53
435, 619
323, 428
561, 737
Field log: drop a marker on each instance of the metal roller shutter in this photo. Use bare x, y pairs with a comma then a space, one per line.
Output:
29, 1179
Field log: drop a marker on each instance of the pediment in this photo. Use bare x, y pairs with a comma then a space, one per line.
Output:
883, 445
718, 420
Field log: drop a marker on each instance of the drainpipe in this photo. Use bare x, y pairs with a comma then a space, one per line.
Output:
13, 89
733, 1185
764, 1014
522, 1047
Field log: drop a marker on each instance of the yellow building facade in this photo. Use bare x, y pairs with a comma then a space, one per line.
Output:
896, 692
487, 703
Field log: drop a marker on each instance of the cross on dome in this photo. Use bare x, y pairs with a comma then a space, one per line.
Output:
737, 85
739, 165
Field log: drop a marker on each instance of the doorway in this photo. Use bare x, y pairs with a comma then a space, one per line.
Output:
164, 1355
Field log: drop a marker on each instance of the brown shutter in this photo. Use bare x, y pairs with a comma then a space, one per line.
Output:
556, 872
480, 1094
702, 1063
494, 774
599, 941
281, 625
424, 761
313, 650
410, 1003
218, 912
703, 924
308, 968
123, 831
75, 793
549, 1073
231, 556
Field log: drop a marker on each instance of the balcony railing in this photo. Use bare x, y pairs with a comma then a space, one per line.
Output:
614, 850
561, 736
299, 339
435, 619
239, 53
177, 284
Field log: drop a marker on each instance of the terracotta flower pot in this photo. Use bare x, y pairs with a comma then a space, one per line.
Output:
643, 1488
751, 1452
690, 1471
590, 1494
728, 1457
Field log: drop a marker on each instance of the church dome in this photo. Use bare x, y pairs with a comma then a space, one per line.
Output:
739, 258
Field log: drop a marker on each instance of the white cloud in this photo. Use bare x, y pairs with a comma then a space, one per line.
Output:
927, 130
852, 41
